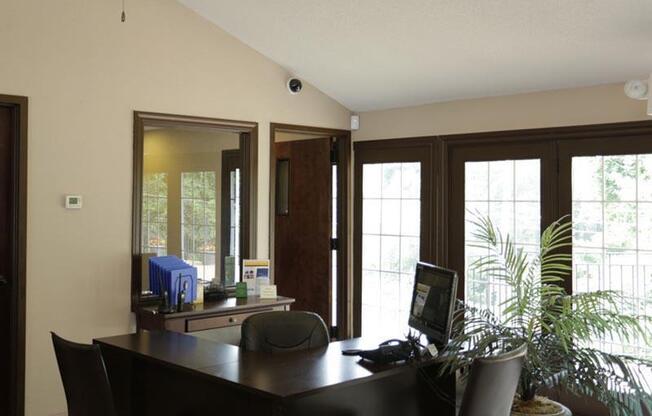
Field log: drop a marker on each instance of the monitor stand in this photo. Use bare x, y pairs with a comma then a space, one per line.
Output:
434, 346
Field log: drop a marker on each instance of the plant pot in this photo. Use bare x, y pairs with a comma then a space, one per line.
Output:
563, 410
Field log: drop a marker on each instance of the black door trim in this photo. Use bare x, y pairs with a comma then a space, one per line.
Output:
18, 105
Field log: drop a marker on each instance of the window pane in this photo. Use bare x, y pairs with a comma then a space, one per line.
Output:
612, 247
527, 186
391, 229
587, 179
508, 191
501, 185
475, 189
390, 223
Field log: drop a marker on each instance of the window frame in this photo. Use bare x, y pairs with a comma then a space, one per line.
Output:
248, 132
556, 146
391, 151
627, 144
460, 151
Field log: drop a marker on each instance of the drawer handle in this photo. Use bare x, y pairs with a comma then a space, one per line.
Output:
233, 320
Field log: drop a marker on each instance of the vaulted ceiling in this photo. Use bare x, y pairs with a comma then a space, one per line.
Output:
375, 54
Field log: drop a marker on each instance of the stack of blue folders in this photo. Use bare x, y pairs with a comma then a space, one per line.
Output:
173, 273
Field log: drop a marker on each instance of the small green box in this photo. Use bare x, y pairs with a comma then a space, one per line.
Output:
241, 290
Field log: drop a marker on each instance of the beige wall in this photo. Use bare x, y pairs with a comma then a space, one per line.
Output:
84, 73
592, 105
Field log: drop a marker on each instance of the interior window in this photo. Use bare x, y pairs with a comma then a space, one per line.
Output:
391, 222
508, 192
612, 234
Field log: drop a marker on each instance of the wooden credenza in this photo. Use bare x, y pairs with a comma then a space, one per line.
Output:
218, 320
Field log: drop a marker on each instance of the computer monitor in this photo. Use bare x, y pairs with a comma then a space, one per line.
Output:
433, 302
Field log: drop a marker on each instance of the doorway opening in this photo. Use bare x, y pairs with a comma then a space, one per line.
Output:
13, 213
309, 220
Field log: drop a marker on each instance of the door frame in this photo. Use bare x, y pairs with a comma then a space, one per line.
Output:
421, 149
344, 213
18, 104
628, 143
457, 154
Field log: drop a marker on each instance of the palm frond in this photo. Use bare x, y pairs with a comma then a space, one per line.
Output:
557, 328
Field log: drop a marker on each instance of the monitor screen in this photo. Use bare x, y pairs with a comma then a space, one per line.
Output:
433, 301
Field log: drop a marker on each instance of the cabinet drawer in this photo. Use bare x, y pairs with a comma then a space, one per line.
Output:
222, 321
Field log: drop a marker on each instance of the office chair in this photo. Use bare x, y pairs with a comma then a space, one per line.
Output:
84, 377
283, 331
492, 384
645, 408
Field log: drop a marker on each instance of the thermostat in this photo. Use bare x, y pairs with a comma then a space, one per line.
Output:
73, 201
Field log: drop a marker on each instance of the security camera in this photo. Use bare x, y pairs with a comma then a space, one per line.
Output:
294, 85
636, 89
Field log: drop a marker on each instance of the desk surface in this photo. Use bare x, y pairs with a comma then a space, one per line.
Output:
228, 305
276, 375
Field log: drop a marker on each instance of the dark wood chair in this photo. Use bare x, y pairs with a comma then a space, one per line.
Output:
283, 331
84, 377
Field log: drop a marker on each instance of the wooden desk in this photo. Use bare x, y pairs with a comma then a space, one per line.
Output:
226, 315
166, 373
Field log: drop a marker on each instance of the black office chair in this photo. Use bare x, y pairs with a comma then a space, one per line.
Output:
283, 331
84, 377
645, 408
492, 384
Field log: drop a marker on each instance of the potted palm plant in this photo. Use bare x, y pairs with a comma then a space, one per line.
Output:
559, 329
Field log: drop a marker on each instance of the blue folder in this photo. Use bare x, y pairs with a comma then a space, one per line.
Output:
173, 273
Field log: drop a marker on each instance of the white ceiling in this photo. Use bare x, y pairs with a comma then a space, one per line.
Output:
374, 54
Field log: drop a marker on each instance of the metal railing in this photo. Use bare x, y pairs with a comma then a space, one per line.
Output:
633, 281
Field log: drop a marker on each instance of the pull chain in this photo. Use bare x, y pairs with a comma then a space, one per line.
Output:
123, 16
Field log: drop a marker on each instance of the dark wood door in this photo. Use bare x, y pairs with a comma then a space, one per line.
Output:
302, 238
6, 134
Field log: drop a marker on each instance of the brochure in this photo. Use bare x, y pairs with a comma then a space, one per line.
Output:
254, 274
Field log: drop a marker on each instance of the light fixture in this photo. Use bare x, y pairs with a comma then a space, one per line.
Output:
640, 90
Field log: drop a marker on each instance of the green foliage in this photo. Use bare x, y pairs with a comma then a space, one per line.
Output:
556, 327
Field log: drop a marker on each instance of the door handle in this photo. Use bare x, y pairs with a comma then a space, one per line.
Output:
3, 281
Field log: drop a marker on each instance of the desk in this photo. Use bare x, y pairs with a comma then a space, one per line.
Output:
167, 373
225, 315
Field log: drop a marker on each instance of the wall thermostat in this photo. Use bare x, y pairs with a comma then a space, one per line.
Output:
73, 201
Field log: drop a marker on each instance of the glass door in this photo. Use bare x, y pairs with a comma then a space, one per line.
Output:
507, 183
509, 193
391, 219
606, 186
392, 235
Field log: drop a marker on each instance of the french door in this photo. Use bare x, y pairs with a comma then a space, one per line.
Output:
511, 183
606, 187
392, 206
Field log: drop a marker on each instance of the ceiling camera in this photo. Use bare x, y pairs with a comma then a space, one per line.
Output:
294, 85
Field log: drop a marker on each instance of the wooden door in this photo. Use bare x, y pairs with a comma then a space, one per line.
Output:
5, 258
302, 238
13, 172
